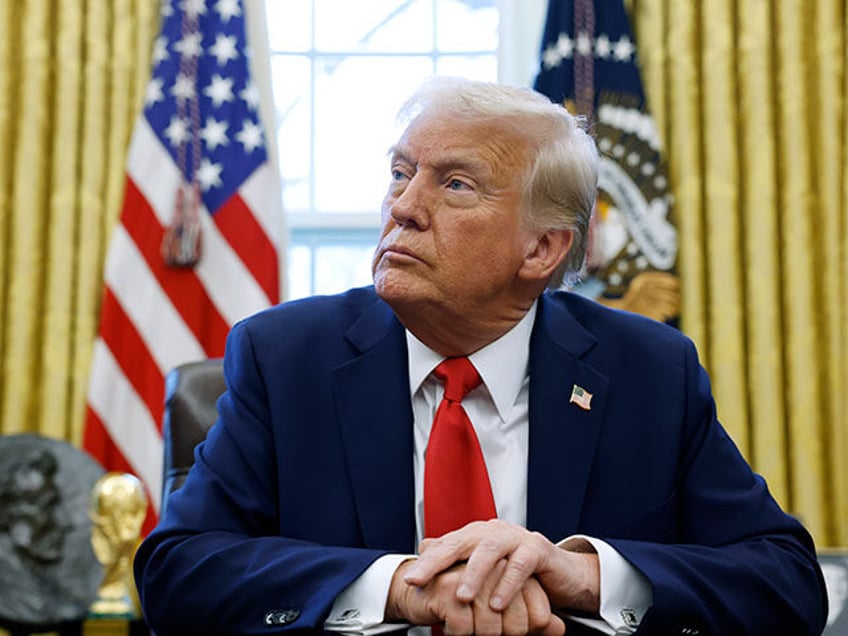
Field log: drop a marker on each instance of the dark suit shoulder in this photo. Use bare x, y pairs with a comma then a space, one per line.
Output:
616, 325
314, 315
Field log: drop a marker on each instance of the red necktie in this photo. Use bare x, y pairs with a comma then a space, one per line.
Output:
456, 483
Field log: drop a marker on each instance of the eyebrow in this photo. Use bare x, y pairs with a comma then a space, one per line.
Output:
448, 163
396, 152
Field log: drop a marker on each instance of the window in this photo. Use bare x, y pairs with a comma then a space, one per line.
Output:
340, 71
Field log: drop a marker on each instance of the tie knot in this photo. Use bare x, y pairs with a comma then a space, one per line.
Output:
459, 377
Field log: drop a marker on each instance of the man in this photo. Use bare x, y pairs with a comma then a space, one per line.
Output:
621, 503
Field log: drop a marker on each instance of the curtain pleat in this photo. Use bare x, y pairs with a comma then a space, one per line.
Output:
758, 200
62, 183
802, 390
839, 427
684, 148
32, 130
96, 212
829, 233
722, 226
8, 79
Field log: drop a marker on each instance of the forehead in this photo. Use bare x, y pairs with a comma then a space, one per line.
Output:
490, 146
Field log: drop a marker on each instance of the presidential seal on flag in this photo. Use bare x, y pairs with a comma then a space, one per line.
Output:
589, 64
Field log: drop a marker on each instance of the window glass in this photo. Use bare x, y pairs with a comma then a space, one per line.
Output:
341, 267
289, 24
466, 26
291, 76
384, 26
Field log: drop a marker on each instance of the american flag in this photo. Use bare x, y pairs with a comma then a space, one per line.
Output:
202, 195
581, 397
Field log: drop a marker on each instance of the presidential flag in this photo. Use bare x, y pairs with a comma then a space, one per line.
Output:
589, 63
195, 248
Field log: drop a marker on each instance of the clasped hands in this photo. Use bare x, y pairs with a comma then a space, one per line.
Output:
492, 578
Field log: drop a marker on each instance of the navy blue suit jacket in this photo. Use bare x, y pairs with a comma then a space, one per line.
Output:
307, 477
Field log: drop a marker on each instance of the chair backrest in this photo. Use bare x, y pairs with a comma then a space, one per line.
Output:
191, 393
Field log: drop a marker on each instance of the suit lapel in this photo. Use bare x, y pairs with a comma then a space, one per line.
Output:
373, 403
563, 436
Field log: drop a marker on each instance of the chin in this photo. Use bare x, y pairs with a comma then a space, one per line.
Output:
398, 288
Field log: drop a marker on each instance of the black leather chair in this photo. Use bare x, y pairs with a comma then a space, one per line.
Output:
191, 393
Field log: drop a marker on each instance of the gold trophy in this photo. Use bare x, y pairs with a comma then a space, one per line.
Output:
117, 508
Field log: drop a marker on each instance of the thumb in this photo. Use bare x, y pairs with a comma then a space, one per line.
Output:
555, 628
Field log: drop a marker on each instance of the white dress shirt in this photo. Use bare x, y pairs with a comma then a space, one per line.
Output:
498, 410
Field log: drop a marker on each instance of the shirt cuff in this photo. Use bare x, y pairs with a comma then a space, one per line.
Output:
626, 593
361, 607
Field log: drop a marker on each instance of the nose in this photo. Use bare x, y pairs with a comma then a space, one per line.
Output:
412, 207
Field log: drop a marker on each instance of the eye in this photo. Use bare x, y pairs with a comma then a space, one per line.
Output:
398, 175
458, 185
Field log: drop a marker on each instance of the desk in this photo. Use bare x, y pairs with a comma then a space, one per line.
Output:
114, 627
88, 627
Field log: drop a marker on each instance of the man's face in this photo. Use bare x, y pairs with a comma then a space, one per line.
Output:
451, 227
36, 522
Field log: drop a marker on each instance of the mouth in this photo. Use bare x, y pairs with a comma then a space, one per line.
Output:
398, 253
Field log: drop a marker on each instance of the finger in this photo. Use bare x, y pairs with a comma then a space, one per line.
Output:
459, 620
441, 554
555, 628
539, 614
527, 559
481, 562
541, 620
425, 543
486, 620
515, 618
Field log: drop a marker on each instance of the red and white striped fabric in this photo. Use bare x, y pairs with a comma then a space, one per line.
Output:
200, 126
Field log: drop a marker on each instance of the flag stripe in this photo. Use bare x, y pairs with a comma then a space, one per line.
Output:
250, 242
132, 355
168, 338
127, 420
182, 286
228, 282
266, 209
152, 171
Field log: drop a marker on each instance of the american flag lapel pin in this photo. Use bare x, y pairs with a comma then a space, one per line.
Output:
581, 397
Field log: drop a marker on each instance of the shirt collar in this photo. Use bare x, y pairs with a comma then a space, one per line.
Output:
501, 364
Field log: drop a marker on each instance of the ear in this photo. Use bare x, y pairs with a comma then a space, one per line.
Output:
545, 253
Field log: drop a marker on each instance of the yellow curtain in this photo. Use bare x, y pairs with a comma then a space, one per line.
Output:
72, 76
750, 99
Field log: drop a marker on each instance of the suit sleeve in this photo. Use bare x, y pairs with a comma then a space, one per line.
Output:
216, 563
740, 564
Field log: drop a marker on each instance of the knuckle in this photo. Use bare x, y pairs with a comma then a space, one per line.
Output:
540, 539
521, 566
